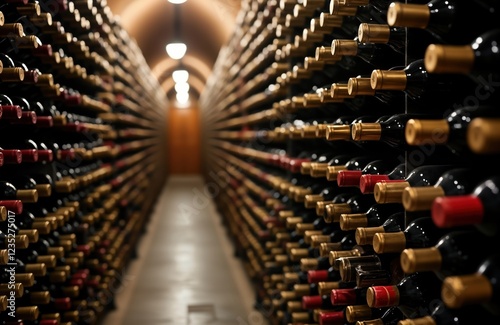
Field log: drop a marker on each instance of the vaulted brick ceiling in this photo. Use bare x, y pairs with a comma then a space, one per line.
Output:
205, 27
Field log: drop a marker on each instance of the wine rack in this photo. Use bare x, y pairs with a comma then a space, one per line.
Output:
81, 158
351, 149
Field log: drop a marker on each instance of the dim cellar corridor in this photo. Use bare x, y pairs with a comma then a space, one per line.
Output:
249, 162
185, 266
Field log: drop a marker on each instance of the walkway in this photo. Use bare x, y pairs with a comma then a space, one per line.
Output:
185, 263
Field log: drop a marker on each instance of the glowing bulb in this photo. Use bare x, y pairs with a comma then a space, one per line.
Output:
182, 99
180, 76
182, 87
176, 50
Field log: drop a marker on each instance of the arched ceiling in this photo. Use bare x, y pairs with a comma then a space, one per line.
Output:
206, 25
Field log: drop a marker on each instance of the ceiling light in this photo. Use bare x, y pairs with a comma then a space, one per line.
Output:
182, 87
180, 76
182, 99
176, 50
177, 1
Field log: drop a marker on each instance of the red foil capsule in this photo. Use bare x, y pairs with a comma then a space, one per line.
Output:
12, 156
367, 182
62, 303
317, 276
27, 118
312, 302
43, 50
341, 297
45, 155
456, 211
331, 318
382, 296
15, 206
295, 164
48, 322
11, 112
66, 154
45, 121
349, 177
30, 155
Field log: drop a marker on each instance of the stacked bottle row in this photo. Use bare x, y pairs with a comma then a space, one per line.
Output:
80, 154
353, 148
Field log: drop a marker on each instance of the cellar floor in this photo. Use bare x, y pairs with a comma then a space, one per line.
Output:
185, 272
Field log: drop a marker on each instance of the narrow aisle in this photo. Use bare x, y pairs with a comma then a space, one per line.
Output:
186, 262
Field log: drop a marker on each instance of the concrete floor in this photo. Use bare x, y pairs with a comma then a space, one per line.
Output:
185, 270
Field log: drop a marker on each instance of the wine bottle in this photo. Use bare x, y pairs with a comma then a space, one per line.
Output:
476, 59
454, 182
343, 297
24, 313
376, 55
340, 198
24, 182
28, 221
331, 317
367, 182
327, 130
419, 234
332, 23
9, 110
395, 38
337, 163
320, 263
336, 240
459, 252
352, 177
327, 194
479, 208
28, 116
391, 191
20, 241
339, 68
419, 85
315, 276
361, 86
314, 302
355, 204
483, 136
355, 164
356, 250
301, 317
10, 73
443, 18
362, 312
365, 235
302, 290
374, 217
363, 13
390, 131
478, 288
351, 266
341, 130
451, 131
9, 192
305, 167
412, 295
